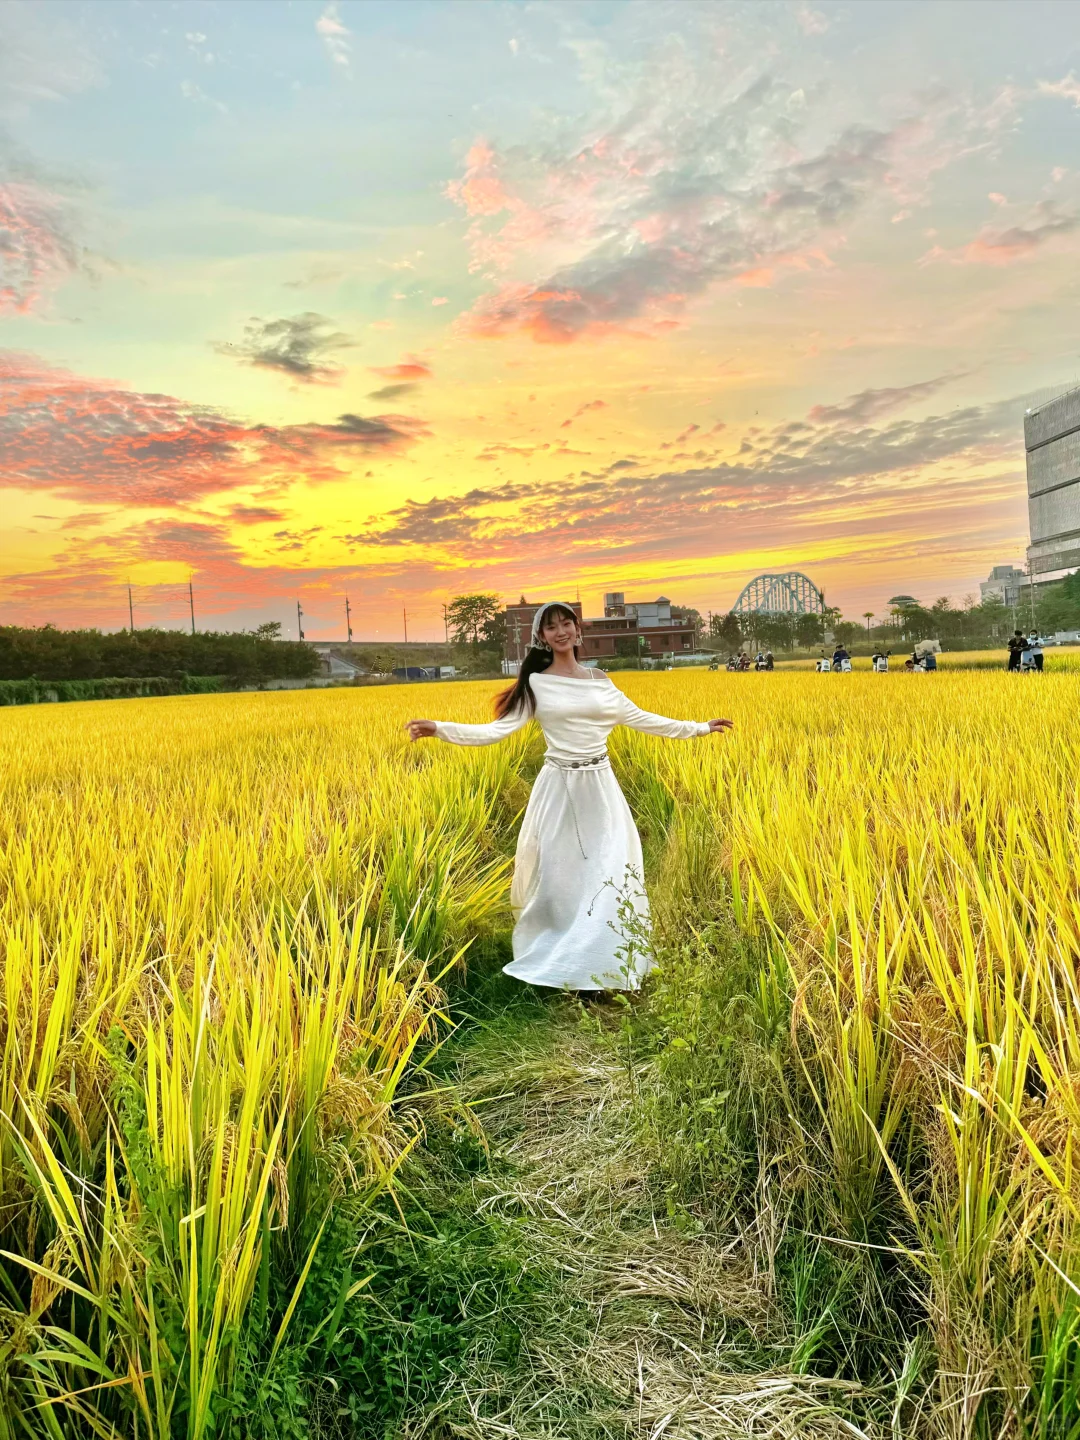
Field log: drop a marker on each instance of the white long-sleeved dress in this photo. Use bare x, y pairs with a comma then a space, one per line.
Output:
579, 852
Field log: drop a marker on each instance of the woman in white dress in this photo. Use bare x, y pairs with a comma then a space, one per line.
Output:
579, 854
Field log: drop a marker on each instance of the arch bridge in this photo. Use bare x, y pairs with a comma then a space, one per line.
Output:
790, 594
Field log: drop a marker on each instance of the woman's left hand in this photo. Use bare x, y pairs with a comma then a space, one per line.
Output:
717, 727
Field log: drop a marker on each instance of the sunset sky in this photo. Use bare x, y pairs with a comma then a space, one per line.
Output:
414, 298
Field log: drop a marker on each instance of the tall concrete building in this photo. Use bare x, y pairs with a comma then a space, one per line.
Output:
1004, 584
1052, 442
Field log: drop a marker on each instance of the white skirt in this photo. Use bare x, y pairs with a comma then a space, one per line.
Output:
578, 860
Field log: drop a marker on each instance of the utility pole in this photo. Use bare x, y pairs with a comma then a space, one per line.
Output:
191, 604
299, 620
131, 614
1031, 594
445, 624
405, 622
348, 619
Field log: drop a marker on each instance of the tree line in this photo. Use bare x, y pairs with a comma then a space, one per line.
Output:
249, 657
986, 624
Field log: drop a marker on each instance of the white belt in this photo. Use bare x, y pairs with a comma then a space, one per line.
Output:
591, 762
583, 764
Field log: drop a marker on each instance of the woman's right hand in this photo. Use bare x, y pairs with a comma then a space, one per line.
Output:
420, 729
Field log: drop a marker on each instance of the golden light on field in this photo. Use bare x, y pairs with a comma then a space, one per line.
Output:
225, 919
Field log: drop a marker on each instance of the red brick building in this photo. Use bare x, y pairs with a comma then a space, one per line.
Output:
649, 628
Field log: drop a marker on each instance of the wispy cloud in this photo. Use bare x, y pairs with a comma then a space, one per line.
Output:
408, 369
198, 96
870, 405
695, 180
298, 347
335, 36
1002, 246
1067, 88
255, 514
37, 245
583, 410
815, 473
96, 441
404, 377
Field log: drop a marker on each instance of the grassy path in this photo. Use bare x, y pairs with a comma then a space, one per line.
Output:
612, 1319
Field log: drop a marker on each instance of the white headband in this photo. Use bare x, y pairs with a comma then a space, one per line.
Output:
538, 618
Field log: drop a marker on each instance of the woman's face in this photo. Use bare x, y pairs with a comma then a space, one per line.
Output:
561, 633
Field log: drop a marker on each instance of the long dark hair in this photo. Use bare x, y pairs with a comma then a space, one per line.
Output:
519, 695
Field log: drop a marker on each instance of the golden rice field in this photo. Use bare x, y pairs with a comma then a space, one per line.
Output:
225, 920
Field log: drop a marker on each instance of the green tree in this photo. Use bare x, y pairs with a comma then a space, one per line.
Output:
473, 618
848, 632
689, 616
728, 629
809, 629
774, 631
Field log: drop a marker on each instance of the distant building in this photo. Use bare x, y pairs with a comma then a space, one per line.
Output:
1052, 443
1003, 585
642, 627
902, 602
647, 627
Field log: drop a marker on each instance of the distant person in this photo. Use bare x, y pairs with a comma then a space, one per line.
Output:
769, 661
841, 660
1036, 652
1016, 649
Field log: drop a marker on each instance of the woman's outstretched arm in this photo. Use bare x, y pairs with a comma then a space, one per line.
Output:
639, 719
456, 734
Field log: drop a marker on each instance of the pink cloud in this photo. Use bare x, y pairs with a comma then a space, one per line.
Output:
1003, 247
92, 439
623, 230
409, 369
583, 410
36, 247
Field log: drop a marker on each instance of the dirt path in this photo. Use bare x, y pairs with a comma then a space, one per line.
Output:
641, 1329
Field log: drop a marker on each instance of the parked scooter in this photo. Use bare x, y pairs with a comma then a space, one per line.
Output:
879, 662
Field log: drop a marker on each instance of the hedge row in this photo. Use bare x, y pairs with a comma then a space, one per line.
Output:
147, 654
33, 692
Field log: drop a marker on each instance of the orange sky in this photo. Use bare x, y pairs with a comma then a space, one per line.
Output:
404, 301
